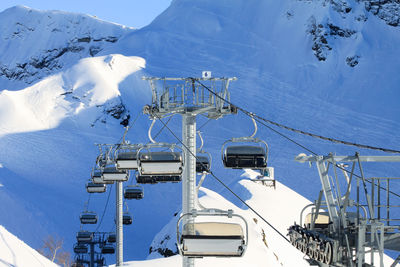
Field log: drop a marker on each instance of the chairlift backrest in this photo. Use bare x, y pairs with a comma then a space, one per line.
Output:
108, 249
84, 237
133, 192
154, 163
126, 157
97, 177
111, 173
80, 249
254, 156
88, 218
126, 219
111, 238
95, 188
202, 164
212, 238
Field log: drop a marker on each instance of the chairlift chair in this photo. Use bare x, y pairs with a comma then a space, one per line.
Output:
108, 249
212, 238
88, 217
80, 249
202, 164
133, 192
111, 173
95, 188
126, 156
97, 177
126, 219
253, 155
84, 237
159, 166
111, 238
245, 156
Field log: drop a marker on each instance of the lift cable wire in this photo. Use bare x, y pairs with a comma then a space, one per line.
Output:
227, 187
105, 208
204, 124
296, 130
86, 208
162, 128
260, 120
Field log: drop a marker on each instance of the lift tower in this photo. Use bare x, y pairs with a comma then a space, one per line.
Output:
189, 97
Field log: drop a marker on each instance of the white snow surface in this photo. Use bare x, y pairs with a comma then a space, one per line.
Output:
92, 81
15, 253
79, 69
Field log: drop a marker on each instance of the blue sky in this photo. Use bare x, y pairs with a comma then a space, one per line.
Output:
134, 13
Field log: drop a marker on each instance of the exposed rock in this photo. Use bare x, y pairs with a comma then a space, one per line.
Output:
336, 30
352, 61
320, 43
388, 10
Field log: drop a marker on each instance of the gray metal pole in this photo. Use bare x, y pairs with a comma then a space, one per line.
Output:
119, 230
91, 254
189, 174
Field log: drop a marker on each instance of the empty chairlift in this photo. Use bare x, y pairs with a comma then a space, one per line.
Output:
95, 188
97, 176
252, 154
111, 238
111, 173
202, 164
240, 157
159, 166
126, 219
88, 217
108, 249
213, 238
80, 249
133, 192
84, 237
126, 156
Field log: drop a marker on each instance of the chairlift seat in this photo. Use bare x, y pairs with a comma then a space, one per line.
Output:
239, 157
212, 239
112, 238
154, 179
133, 192
108, 249
80, 249
111, 173
202, 164
127, 219
161, 163
97, 178
84, 237
322, 221
95, 188
127, 160
88, 218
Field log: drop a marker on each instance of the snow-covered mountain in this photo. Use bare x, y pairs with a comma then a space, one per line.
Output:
68, 81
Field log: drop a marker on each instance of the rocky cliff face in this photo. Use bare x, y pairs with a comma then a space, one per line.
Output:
36, 44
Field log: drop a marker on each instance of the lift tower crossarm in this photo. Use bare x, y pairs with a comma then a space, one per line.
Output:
349, 158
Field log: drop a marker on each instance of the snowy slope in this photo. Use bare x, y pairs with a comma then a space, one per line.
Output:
86, 84
15, 252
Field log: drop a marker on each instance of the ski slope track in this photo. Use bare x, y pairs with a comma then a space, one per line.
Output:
68, 81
